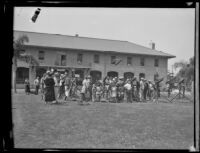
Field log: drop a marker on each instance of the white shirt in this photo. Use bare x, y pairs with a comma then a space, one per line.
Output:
36, 82
127, 86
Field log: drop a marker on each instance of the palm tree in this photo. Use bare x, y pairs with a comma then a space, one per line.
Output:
19, 54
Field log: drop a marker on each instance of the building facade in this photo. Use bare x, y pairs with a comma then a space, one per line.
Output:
84, 56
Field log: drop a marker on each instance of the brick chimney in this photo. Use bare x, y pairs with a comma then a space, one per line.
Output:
152, 45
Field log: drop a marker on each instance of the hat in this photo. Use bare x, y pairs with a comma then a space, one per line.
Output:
48, 72
57, 74
77, 75
120, 77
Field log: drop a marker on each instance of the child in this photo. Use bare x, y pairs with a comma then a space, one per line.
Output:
128, 88
98, 92
93, 92
27, 86
113, 90
120, 93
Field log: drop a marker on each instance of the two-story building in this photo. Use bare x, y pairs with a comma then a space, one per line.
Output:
93, 56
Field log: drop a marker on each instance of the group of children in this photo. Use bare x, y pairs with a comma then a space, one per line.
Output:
120, 89
111, 89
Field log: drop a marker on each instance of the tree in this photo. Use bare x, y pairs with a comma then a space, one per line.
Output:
186, 70
19, 54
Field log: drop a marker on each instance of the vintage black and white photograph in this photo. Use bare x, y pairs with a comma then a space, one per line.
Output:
103, 78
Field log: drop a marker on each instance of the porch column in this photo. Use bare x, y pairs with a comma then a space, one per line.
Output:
32, 75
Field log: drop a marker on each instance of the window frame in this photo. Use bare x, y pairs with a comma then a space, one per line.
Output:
96, 58
41, 52
142, 63
61, 60
129, 59
156, 62
79, 58
112, 60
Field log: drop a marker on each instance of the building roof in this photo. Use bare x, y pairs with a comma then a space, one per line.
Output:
85, 43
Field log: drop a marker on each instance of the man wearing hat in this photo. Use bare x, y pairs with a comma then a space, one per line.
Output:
134, 89
146, 86
120, 90
67, 85
141, 92
37, 85
128, 89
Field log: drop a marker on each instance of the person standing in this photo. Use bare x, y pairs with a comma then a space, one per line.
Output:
141, 92
49, 88
89, 87
61, 91
99, 91
42, 86
56, 78
37, 85
113, 91
27, 86
128, 89
151, 90
145, 90
120, 90
83, 90
67, 86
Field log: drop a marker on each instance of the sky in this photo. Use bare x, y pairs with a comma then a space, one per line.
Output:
172, 30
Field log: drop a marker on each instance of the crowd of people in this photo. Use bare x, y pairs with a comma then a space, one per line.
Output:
55, 86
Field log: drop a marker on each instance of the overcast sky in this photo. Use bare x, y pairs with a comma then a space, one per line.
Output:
172, 30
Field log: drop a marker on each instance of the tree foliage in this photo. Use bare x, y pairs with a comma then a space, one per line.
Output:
186, 70
19, 54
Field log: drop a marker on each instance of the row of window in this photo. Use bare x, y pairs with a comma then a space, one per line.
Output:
62, 59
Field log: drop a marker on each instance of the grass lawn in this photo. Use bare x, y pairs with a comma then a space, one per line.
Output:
101, 125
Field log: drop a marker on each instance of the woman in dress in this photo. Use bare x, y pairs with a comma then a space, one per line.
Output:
49, 87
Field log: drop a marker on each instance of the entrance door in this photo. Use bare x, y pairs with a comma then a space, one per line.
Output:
128, 75
96, 75
40, 72
80, 73
141, 75
112, 74
22, 74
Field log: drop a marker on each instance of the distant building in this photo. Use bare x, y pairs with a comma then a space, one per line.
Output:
97, 57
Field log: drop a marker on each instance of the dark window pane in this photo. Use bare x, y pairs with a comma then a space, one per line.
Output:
41, 55
63, 60
156, 62
80, 58
142, 61
96, 58
129, 61
113, 58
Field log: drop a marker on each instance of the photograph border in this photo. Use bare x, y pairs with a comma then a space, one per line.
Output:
8, 11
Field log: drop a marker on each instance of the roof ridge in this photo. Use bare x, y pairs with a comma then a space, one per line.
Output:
72, 36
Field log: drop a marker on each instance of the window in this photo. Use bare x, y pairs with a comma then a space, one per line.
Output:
41, 55
63, 60
156, 62
96, 58
113, 58
80, 58
129, 60
142, 61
